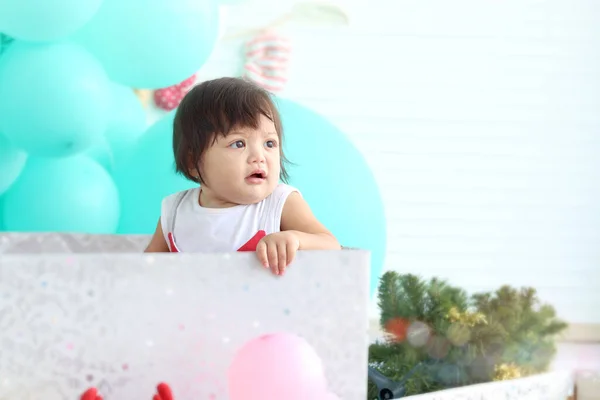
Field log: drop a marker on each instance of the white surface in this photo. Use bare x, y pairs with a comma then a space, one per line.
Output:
552, 386
577, 356
126, 322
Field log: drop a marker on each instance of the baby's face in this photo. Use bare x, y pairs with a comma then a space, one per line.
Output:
241, 168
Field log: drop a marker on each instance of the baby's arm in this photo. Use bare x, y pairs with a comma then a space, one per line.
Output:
297, 217
300, 230
157, 243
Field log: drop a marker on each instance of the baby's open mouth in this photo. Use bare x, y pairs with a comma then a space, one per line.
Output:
258, 174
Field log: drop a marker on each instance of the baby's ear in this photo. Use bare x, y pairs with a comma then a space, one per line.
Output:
193, 167
194, 173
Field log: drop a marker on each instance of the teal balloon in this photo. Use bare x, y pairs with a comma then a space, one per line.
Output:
1, 217
12, 161
127, 121
55, 98
70, 194
152, 44
35, 20
336, 181
102, 153
145, 176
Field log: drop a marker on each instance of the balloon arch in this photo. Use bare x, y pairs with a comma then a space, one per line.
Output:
76, 154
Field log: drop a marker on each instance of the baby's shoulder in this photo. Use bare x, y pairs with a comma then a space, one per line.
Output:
276, 200
282, 190
173, 199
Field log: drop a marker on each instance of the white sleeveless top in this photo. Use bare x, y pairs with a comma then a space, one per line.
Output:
189, 227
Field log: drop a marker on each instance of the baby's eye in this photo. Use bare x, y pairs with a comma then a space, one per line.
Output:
270, 144
239, 144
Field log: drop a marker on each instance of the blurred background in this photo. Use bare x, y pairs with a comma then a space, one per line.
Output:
454, 139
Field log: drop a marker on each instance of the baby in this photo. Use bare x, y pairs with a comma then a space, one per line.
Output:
227, 137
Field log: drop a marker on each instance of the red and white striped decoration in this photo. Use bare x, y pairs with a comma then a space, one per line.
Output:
267, 59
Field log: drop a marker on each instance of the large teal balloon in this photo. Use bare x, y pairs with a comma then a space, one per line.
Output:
126, 124
55, 98
70, 194
102, 154
152, 44
1, 216
35, 20
336, 181
12, 161
145, 176
127, 121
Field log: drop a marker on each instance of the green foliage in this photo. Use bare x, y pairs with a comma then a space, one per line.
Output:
409, 297
468, 336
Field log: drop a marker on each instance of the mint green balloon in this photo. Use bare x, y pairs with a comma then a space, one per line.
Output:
46, 20
336, 181
1, 217
145, 175
12, 161
127, 120
54, 98
150, 44
70, 194
126, 124
102, 154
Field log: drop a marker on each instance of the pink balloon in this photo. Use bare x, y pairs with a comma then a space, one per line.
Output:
279, 365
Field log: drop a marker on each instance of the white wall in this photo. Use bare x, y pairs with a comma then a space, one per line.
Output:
481, 121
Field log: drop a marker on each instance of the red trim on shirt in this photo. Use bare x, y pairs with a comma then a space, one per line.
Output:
250, 245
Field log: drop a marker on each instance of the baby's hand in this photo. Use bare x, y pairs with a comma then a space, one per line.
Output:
277, 250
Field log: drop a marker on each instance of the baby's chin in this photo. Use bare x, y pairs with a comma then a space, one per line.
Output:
249, 200
252, 196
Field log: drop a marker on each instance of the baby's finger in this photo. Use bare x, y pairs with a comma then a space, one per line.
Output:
261, 252
272, 255
281, 258
291, 254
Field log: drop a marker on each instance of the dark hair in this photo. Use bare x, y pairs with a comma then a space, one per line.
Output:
214, 108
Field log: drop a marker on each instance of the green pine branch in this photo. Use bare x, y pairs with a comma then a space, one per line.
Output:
517, 329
